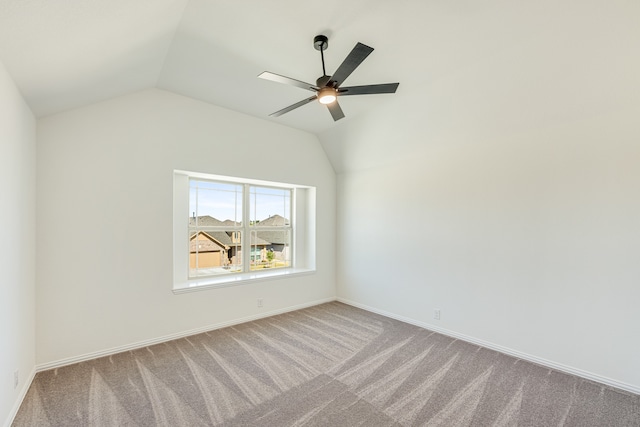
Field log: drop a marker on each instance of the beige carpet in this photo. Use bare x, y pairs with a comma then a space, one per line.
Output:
329, 365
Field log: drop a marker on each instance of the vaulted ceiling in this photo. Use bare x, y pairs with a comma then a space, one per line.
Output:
65, 54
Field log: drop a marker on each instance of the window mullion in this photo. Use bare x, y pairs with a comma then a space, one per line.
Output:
292, 232
246, 230
197, 260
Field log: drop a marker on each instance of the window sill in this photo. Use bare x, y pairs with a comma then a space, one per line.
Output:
237, 279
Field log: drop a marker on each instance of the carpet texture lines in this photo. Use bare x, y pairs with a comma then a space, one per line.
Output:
328, 365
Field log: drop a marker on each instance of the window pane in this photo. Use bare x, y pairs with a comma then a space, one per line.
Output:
270, 204
214, 203
270, 249
214, 252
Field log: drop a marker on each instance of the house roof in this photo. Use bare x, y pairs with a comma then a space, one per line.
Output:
209, 245
206, 221
224, 237
219, 236
273, 221
276, 237
226, 240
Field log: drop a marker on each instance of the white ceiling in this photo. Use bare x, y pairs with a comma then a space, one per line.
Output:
67, 53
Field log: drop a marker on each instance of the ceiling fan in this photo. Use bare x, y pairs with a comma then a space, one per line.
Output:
328, 88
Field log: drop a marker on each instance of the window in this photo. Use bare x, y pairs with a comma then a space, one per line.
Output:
229, 230
236, 228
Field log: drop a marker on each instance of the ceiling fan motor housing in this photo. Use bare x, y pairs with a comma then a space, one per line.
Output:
322, 81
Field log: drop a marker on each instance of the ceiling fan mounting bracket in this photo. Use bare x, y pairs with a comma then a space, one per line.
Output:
321, 42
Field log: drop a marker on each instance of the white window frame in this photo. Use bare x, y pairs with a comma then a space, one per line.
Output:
303, 234
244, 226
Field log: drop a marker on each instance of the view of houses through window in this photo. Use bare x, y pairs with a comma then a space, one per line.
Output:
237, 228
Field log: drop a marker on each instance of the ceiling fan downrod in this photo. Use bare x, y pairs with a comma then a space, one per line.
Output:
321, 43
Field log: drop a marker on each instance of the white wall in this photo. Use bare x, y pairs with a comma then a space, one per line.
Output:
17, 244
105, 181
506, 194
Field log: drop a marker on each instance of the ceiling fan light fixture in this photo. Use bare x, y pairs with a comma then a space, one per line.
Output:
327, 95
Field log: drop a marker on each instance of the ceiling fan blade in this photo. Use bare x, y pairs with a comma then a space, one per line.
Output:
350, 63
335, 110
368, 89
288, 81
293, 107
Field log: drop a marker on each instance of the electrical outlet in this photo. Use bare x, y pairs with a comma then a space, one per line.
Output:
260, 302
16, 378
436, 314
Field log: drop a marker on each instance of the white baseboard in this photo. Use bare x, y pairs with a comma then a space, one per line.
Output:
520, 355
23, 392
165, 338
